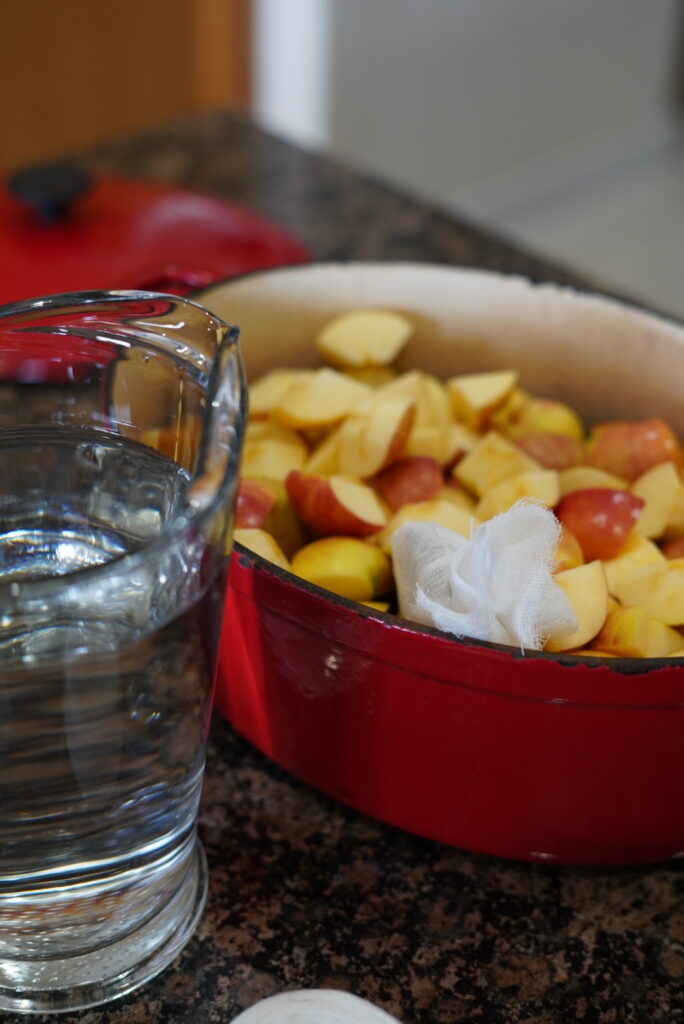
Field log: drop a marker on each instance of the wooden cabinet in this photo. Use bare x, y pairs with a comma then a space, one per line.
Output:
74, 72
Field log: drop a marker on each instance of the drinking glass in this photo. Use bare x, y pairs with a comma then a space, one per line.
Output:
121, 423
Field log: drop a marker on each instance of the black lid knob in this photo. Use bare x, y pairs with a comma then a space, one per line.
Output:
49, 189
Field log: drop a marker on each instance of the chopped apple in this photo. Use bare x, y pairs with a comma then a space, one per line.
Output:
569, 552
433, 511
262, 543
658, 587
538, 484
546, 414
270, 450
374, 434
411, 479
659, 487
636, 552
600, 518
377, 606
675, 525
457, 494
634, 633
552, 451
587, 591
325, 457
320, 400
581, 478
364, 337
268, 390
429, 434
475, 396
493, 459
348, 566
673, 548
629, 447
505, 417
460, 441
374, 376
254, 501
336, 504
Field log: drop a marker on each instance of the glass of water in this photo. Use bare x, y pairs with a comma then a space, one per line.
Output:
121, 422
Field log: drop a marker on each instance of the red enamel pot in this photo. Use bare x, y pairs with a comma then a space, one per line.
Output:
533, 756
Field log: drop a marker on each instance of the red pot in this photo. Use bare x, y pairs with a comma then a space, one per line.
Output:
535, 756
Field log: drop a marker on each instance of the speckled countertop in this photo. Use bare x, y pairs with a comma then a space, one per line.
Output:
307, 893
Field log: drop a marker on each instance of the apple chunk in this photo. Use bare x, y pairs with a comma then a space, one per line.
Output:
374, 434
552, 451
659, 488
411, 479
475, 396
336, 504
348, 566
322, 399
587, 591
634, 633
492, 460
434, 511
658, 587
271, 450
364, 337
537, 484
264, 504
262, 543
600, 518
629, 447
268, 390
636, 552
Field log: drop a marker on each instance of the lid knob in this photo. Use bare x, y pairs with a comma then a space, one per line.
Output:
49, 189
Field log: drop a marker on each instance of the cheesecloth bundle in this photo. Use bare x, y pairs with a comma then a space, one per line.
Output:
496, 585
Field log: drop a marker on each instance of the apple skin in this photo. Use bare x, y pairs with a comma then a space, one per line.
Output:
569, 551
600, 518
674, 548
413, 478
628, 448
348, 566
550, 450
318, 506
254, 502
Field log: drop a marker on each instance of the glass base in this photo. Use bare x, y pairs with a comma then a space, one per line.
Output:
74, 983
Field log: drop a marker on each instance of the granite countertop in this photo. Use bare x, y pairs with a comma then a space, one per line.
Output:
307, 893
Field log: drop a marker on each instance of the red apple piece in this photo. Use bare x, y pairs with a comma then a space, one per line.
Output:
255, 500
629, 447
552, 451
336, 504
414, 478
600, 518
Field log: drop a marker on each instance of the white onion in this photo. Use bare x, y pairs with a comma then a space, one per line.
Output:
314, 1006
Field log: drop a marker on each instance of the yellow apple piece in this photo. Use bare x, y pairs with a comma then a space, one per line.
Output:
538, 484
460, 440
493, 459
658, 587
674, 528
268, 390
634, 633
586, 589
374, 376
325, 457
569, 551
364, 337
270, 450
475, 396
659, 488
582, 478
262, 543
429, 434
456, 493
505, 416
636, 552
352, 568
434, 511
378, 606
374, 434
264, 504
546, 414
322, 399
335, 504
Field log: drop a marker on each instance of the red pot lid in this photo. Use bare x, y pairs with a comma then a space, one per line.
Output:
60, 232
